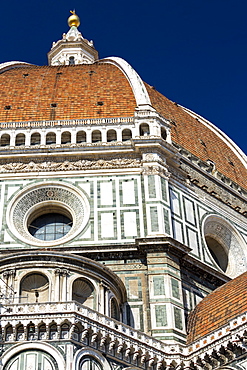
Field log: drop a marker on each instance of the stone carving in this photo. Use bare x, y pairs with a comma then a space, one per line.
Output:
69, 166
155, 170
228, 238
233, 199
47, 194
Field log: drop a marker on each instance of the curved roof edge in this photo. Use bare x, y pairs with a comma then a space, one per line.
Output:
13, 64
233, 146
135, 81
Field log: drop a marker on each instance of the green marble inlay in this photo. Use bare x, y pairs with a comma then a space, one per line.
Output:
154, 219
163, 189
159, 286
178, 318
175, 288
166, 221
151, 186
160, 315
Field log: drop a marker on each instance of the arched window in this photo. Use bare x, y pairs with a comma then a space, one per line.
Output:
31, 331
9, 333
144, 129
71, 60
83, 292
96, 136
225, 245
20, 332
53, 331
115, 313
81, 137
34, 288
5, 140
89, 363
126, 134
31, 359
163, 133
50, 138
111, 135
66, 137
65, 331
42, 331
76, 333
35, 139
20, 139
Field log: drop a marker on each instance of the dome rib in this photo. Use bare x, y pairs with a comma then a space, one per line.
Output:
135, 81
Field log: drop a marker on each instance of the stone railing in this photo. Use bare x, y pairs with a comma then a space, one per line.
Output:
94, 324
74, 122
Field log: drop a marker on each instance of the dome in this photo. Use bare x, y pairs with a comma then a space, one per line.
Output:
220, 306
111, 88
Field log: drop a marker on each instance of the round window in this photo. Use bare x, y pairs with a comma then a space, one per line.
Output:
48, 214
50, 226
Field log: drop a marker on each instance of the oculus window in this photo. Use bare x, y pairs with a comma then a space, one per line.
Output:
50, 226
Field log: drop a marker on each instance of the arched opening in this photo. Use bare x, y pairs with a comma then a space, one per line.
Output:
163, 133
83, 292
50, 224
53, 331
65, 331
115, 313
76, 335
71, 60
31, 331
96, 136
31, 359
66, 137
126, 134
5, 140
111, 135
35, 139
34, 288
20, 332
144, 129
225, 246
218, 252
42, 331
50, 138
9, 333
81, 137
20, 139
89, 363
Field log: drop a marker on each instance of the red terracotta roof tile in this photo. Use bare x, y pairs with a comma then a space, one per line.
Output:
218, 308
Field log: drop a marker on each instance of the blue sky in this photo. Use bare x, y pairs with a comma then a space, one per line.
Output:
194, 52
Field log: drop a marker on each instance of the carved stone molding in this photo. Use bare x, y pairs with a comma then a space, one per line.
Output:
69, 165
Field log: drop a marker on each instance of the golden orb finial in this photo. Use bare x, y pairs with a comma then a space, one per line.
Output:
73, 20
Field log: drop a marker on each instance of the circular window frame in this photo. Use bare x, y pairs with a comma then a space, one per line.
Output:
231, 242
44, 198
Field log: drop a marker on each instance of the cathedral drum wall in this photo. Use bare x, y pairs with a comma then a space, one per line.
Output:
121, 213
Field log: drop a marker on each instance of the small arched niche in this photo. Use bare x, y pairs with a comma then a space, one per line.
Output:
114, 309
34, 288
20, 139
225, 246
144, 129
35, 138
126, 134
111, 135
163, 133
50, 138
83, 292
96, 136
5, 140
66, 137
81, 137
